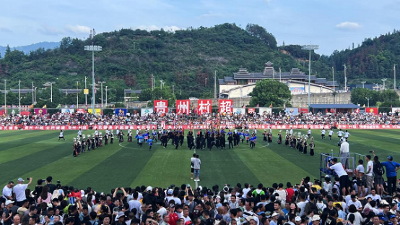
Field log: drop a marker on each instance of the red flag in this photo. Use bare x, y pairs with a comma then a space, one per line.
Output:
204, 106
161, 106
182, 107
225, 106
372, 110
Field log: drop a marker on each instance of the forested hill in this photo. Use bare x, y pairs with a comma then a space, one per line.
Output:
371, 61
186, 59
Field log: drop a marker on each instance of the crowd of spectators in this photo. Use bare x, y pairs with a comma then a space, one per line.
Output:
173, 119
306, 203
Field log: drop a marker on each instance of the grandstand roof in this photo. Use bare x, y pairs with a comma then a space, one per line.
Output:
334, 106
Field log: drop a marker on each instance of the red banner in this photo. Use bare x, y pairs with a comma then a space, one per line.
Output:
40, 111
204, 106
303, 110
80, 111
225, 106
161, 106
251, 110
182, 107
372, 110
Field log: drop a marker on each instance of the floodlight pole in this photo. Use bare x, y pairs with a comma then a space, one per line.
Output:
19, 96
93, 48
310, 48
363, 83
5, 97
85, 94
345, 77
333, 79
394, 77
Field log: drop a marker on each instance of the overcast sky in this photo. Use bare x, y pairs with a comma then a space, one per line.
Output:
332, 24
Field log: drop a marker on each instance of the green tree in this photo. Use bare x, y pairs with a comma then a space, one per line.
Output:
268, 91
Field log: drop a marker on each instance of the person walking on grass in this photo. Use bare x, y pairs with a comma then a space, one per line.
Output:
150, 141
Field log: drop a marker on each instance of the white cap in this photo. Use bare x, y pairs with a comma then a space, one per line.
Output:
9, 202
149, 188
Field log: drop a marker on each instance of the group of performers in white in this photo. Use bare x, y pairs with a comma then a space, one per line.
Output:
300, 143
208, 139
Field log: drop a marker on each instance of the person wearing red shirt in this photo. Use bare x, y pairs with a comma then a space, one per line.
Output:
289, 192
173, 217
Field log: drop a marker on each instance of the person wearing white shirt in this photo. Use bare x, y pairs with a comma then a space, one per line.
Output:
354, 202
245, 190
19, 191
369, 174
373, 196
342, 174
7, 191
346, 135
340, 134
309, 132
323, 133
344, 153
135, 203
360, 171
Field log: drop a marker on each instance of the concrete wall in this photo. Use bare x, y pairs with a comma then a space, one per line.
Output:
237, 91
320, 98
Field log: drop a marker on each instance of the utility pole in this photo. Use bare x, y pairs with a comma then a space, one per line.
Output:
19, 96
106, 96
333, 79
77, 95
161, 84
394, 77
5, 97
215, 84
345, 78
173, 91
152, 82
85, 94
368, 98
363, 82
101, 88
280, 74
33, 100
51, 91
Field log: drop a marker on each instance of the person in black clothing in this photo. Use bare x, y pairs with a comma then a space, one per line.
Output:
222, 141
198, 142
230, 140
164, 140
212, 141
190, 139
51, 186
181, 137
327, 211
73, 212
176, 140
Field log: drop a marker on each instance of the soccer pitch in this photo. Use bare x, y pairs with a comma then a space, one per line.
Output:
39, 154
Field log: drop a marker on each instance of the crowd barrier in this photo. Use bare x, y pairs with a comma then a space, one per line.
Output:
150, 127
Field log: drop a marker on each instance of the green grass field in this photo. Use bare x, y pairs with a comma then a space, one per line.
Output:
39, 154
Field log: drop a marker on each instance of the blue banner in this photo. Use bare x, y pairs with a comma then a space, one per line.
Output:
292, 111
120, 112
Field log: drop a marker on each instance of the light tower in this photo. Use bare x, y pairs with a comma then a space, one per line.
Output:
310, 48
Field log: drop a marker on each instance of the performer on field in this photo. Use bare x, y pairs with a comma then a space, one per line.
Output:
309, 132
312, 146
346, 135
280, 137
323, 133
111, 137
340, 134
330, 134
150, 141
